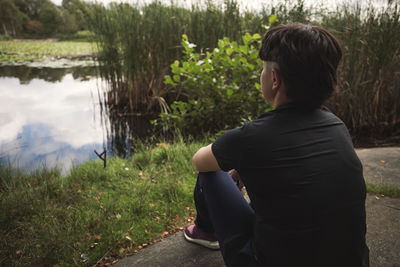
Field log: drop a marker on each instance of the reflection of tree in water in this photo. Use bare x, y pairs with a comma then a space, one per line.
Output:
124, 129
25, 74
83, 73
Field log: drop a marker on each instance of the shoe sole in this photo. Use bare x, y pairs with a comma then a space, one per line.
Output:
208, 244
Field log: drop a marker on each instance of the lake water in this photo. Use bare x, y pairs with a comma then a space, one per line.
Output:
50, 116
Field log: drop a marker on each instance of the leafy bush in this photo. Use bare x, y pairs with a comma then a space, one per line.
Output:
215, 90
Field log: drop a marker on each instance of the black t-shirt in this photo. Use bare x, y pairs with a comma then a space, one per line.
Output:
306, 185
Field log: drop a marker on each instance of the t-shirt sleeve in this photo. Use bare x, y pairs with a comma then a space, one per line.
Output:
227, 149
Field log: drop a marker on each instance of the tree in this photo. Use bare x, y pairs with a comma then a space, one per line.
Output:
11, 19
32, 8
34, 26
51, 18
79, 10
68, 24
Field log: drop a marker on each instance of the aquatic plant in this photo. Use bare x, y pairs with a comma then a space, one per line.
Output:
26, 50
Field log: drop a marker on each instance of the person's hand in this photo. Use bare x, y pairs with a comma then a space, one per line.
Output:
236, 177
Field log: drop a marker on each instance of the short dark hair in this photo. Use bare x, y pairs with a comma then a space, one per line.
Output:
308, 57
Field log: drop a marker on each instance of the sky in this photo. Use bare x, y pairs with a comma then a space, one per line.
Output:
243, 3
252, 4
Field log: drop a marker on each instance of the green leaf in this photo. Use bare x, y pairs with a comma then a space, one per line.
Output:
246, 38
177, 78
244, 49
272, 19
221, 43
168, 80
256, 36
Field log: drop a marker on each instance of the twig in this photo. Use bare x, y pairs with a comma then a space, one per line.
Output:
102, 257
103, 158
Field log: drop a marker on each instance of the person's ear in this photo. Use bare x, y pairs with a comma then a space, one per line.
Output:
276, 79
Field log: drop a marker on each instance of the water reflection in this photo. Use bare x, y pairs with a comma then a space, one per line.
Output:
124, 129
59, 116
25, 74
49, 116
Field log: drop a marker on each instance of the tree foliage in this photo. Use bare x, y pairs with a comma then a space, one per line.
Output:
11, 18
50, 16
42, 18
80, 12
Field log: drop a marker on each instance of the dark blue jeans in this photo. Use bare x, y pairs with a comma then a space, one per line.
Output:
221, 209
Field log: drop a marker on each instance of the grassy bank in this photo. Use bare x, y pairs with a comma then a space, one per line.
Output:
95, 213
100, 215
32, 50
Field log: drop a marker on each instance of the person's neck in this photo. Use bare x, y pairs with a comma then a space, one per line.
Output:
280, 99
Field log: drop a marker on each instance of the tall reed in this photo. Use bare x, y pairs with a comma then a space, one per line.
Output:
369, 97
138, 45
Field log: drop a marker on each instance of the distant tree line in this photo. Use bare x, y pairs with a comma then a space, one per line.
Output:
42, 18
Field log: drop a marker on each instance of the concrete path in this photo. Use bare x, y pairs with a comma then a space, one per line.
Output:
381, 165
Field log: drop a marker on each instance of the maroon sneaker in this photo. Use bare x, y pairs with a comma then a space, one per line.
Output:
195, 235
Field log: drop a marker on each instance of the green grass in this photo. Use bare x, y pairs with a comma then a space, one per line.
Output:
80, 36
47, 219
12, 51
387, 190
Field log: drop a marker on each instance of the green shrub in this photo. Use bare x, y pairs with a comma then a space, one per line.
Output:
215, 90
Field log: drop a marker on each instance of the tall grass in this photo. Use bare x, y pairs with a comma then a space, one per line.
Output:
139, 43
369, 97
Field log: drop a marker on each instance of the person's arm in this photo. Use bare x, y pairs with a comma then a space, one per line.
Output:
205, 161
